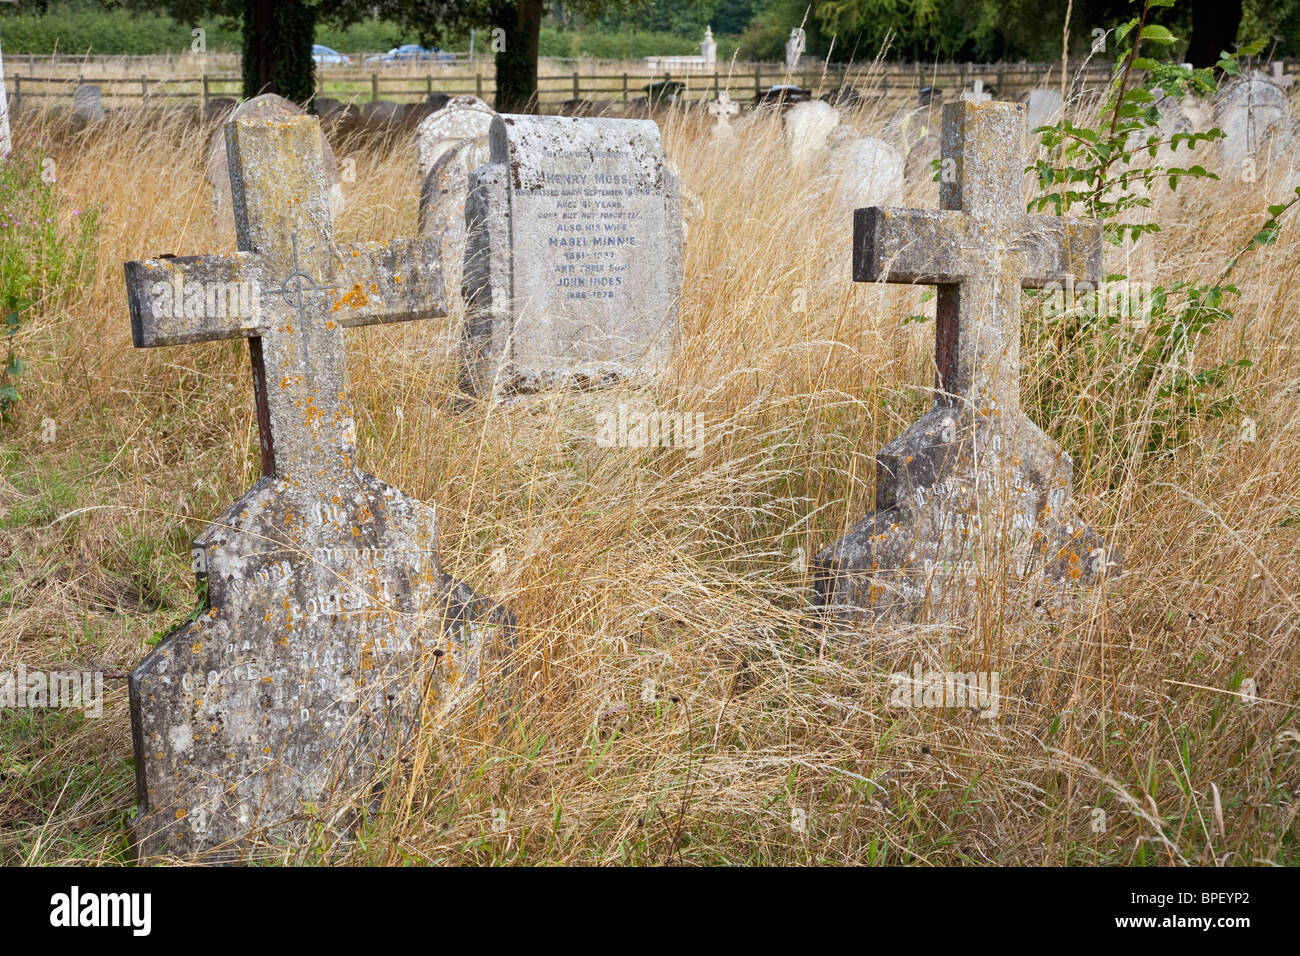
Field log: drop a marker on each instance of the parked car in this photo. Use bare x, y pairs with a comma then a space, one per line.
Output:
408, 52
782, 95
664, 91
323, 55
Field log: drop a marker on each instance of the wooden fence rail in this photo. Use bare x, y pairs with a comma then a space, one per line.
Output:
890, 81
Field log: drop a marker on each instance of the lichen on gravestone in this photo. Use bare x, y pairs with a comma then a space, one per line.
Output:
973, 491
333, 637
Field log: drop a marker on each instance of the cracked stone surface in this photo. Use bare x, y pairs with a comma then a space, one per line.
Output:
573, 261
330, 633
973, 489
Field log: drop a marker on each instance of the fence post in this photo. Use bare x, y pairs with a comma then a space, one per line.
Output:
428, 84
715, 84
758, 82
205, 91
624, 89
577, 89
478, 85
374, 86
144, 90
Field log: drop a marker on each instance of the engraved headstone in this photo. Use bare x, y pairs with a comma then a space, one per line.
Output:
266, 106
973, 488
573, 262
464, 117
88, 103
442, 205
808, 127
328, 632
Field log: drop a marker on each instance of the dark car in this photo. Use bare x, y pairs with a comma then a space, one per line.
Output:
782, 95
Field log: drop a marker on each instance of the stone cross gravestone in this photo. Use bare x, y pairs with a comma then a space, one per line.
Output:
973, 487
573, 261
722, 109
266, 106
329, 632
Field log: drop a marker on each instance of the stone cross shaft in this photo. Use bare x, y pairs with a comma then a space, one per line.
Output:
291, 291
980, 248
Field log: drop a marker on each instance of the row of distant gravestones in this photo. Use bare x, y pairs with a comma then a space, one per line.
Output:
331, 631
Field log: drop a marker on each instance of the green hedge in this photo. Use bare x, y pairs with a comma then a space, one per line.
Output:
121, 33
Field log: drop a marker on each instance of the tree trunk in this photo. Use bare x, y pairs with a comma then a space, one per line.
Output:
278, 35
516, 54
1214, 29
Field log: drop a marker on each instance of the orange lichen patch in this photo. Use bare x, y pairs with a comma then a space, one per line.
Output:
354, 299
330, 325
196, 647
397, 277
181, 813
374, 288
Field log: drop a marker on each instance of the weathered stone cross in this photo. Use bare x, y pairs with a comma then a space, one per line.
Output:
973, 486
330, 631
291, 292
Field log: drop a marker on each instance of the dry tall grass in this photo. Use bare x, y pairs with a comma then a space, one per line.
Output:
679, 703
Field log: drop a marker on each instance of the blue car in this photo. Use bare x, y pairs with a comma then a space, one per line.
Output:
412, 52
323, 55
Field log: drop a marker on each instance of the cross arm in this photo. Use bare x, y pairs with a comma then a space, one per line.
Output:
919, 246
393, 281
178, 300
1059, 249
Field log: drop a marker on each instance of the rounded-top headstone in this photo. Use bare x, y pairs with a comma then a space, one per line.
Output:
1248, 109
88, 103
464, 117
808, 126
442, 205
1042, 107
866, 172
266, 106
